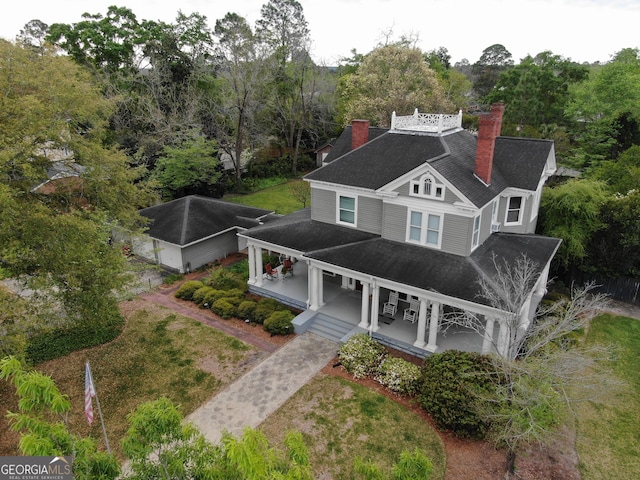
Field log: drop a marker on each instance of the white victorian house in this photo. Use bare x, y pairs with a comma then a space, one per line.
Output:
402, 224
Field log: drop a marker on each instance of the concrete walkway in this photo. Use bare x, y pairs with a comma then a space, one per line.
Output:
261, 391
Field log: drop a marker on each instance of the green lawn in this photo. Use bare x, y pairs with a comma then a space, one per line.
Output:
159, 354
277, 198
341, 421
608, 430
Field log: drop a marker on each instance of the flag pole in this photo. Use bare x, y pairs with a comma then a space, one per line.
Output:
95, 394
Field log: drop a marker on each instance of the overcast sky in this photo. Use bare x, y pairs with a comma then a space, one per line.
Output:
583, 30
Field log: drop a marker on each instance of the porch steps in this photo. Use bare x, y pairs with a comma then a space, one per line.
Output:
329, 327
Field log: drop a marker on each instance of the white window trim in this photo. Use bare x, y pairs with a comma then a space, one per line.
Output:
495, 208
475, 232
424, 228
522, 210
434, 186
355, 211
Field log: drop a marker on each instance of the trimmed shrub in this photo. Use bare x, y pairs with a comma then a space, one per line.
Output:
200, 294
246, 309
448, 389
361, 355
213, 295
224, 308
398, 375
265, 307
279, 323
59, 342
188, 288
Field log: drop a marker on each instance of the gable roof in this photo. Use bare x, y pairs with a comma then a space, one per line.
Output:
193, 218
518, 162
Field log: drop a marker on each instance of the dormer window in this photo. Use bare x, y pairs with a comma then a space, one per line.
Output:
427, 187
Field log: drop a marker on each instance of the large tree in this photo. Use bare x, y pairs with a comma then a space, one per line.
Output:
54, 115
536, 91
606, 109
486, 71
392, 78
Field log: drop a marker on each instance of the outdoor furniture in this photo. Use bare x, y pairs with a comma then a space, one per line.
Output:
390, 307
287, 266
269, 272
411, 313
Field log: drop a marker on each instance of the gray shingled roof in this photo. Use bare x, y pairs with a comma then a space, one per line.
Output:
342, 144
518, 162
192, 218
421, 267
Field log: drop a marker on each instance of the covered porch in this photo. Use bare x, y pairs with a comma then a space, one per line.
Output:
340, 297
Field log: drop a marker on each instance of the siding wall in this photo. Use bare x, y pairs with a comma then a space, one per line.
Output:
370, 214
323, 205
209, 250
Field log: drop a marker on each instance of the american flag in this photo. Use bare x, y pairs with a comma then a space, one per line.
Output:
89, 393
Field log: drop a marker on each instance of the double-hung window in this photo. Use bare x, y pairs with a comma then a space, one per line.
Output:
475, 235
424, 228
515, 208
347, 210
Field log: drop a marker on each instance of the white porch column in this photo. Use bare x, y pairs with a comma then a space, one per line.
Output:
345, 282
313, 288
433, 327
364, 309
375, 308
320, 286
258, 266
541, 288
252, 265
503, 339
422, 323
487, 342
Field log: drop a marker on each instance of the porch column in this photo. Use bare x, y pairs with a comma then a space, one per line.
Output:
252, 265
364, 309
313, 288
433, 327
487, 342
503, 337
345, 282
375, 308
258, 266
541, 287
422, 323
320, 286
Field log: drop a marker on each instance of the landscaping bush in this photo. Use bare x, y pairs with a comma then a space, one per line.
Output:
265, 307
223, 279
58, 342
361, 355
448, 388
398, 375
224, 308
246, 309
200, 294
188, 288
279, 323
212, 296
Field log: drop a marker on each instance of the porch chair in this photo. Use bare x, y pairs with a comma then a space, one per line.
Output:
411, 313
390, 307
269, 272
287, 266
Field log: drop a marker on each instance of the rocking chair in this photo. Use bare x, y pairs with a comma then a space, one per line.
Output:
390, 307
411, 313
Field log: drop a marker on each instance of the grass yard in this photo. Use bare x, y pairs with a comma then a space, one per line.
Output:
159, 354
277, 198
608, 431
341, 421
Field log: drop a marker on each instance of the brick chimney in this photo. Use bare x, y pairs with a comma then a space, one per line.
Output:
359, 133
489, 128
